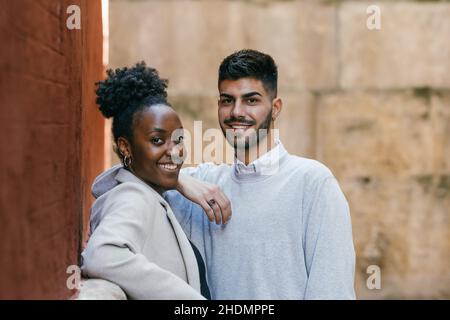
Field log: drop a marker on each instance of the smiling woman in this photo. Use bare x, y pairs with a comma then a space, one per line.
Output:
149, 152
130, 219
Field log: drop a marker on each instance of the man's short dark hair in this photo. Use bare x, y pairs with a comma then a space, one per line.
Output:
250, 64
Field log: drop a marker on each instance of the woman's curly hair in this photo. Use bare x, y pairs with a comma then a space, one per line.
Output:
126, 92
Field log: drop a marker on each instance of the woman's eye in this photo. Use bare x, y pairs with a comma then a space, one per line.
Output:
157, 140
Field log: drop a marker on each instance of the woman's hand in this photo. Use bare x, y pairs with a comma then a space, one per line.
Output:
208, 196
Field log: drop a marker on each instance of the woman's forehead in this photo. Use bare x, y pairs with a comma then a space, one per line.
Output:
159, 117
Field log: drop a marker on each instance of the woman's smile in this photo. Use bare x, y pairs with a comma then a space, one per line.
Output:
169, 167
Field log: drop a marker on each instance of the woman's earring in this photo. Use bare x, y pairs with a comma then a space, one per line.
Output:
127, 161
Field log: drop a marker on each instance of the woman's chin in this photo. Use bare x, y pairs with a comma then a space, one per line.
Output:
169, 184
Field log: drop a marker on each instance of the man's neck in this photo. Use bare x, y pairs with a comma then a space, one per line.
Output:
257, 151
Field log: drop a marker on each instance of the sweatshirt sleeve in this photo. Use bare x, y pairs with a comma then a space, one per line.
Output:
183, 207
114, 250
200, 171
328, 244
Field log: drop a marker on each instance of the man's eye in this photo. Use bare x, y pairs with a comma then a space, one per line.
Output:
225, 101
157, 140
252, 101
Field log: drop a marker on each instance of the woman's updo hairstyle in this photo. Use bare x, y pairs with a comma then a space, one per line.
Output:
126, 92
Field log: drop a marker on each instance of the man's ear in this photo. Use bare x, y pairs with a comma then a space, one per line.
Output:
277, 105
124, 147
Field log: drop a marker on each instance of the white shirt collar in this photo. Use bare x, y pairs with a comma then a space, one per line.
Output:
267, 164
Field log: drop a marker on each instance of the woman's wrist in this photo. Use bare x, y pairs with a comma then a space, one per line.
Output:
181, 183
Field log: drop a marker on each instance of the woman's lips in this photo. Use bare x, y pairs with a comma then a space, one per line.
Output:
169, 167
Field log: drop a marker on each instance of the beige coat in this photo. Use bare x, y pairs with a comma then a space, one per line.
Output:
137, 243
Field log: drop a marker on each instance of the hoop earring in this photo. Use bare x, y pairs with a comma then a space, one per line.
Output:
127, 161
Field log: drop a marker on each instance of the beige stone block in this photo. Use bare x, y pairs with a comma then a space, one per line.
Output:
376, 134
440, 117
410, 50
187, 40
402, 226
389, 152
429, 235
300, 36
296, 123
378, 217
184, 40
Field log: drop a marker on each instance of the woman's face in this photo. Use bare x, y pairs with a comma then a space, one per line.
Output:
155, 141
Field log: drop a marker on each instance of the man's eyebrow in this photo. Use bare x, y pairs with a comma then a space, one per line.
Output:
245, 95
226, 95
251, 94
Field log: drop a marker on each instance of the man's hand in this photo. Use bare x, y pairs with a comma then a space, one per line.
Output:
208, 196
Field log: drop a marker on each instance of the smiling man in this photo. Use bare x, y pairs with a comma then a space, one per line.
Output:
246, 111
290, 236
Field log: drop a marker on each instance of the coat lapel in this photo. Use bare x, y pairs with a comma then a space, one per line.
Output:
187, 252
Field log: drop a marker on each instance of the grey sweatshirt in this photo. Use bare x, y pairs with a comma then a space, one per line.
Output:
290, 235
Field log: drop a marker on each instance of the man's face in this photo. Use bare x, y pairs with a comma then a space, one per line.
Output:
245, 107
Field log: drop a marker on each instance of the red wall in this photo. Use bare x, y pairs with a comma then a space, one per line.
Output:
51, 139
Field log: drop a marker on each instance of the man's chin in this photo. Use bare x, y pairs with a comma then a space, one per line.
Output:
242, 140
241, 144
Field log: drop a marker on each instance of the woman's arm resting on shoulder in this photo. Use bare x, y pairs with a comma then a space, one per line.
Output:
114, 251
202, 193
137, 276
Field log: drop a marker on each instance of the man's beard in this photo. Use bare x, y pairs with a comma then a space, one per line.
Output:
253, 139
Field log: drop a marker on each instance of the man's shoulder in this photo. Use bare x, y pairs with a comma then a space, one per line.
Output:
207, 171
310, 169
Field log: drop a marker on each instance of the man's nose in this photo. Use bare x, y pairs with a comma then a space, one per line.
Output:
238, 110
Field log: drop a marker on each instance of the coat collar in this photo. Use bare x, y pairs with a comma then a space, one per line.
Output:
123, 175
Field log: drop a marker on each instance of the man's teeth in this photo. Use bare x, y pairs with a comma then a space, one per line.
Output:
168, 166
239, 127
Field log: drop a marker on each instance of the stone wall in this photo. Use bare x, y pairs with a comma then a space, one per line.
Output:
373, 105
52, 138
